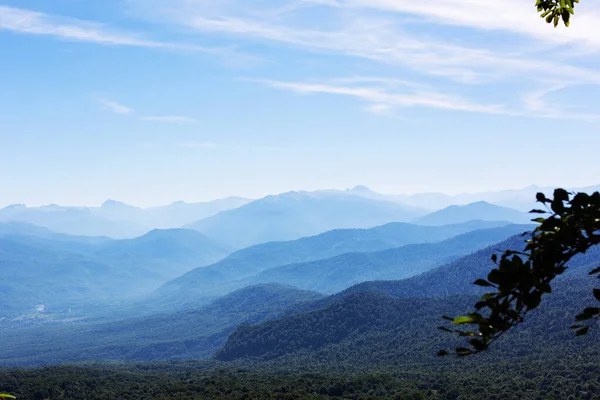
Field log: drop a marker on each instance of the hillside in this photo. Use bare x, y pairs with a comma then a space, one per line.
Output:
168, 252
340, 272
213, 280
367, 328
65, 274
457, 278
34, 274
475, 211
294, 215
183, 335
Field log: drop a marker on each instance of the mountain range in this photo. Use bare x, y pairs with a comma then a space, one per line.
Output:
381, 322
243, 267
338, 273
293, 215
63, 272
239, 222
115, 219
480, 210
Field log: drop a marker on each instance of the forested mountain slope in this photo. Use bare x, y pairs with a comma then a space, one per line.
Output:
367, 328
63, 272
340, 272
207, 282
188, 334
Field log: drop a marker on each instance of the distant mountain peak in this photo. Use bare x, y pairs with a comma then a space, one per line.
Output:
360, 188
15, 207
115, 204
480, 203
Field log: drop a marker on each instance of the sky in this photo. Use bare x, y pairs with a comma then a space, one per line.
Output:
154, 101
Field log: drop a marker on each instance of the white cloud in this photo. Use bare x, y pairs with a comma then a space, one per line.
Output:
115, 107
386, 40
517, 16
379, 109
118, 108
384, 98
172, 119
29, 22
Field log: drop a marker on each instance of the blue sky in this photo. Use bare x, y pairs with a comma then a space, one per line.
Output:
152, 101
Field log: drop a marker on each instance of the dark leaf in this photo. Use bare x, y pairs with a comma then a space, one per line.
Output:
541, 197
582, 331
538, 212
482, 282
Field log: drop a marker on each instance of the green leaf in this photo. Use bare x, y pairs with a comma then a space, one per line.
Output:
597, 294
465, 319
442, 353
482, 282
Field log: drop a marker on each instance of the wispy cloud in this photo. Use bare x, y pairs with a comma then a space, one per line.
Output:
384, 98
118, 108
171, 119
515, 16
379, 109
29, 22
115, 107
386, 41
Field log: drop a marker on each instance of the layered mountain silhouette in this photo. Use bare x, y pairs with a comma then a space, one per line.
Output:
475, 211
293, 215
65, 272
382, 322
233, 271
115, 219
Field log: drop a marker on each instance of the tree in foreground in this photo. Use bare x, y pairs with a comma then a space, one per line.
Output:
555, 10
522, 278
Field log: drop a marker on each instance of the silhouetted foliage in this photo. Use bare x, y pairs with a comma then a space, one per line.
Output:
523, 277
555, 10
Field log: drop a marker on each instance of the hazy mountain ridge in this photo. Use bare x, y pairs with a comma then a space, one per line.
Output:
340, 272
65, 273
293, 215
363, 322
474, 211
213, 280
115, 219
519, 199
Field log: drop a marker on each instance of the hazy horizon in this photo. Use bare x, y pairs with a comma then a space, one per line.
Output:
191, 201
